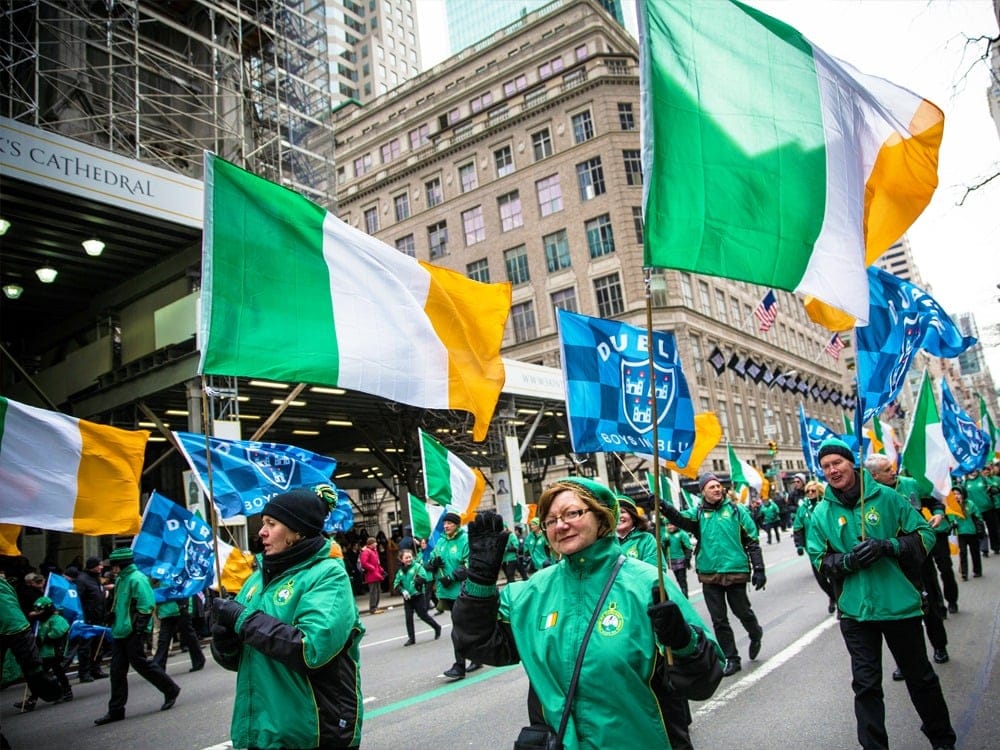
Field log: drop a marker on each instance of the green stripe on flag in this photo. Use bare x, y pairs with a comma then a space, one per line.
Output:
420, 520
437, 470
267, 286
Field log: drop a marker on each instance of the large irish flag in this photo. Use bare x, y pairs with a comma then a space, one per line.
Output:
767, 160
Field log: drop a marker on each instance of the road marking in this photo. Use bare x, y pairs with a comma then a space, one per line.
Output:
401, 637
766, 668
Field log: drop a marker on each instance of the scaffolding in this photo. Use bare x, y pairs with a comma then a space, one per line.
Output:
162, 82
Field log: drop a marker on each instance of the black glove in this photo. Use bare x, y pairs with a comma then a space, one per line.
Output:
668, 622
460, 574
758, 579
225, 640
799, 551
487, 542
870, 551
226, 612
434, 564
445, 581
43, 684
141, 623
418, 584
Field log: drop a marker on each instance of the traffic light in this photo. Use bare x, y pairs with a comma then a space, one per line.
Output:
772, 447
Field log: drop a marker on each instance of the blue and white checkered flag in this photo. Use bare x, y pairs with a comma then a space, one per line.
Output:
902, 320
64, 596
813, 434
967, 442
608, 394
174, 548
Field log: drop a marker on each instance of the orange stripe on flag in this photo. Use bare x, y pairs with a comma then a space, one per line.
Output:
107, 494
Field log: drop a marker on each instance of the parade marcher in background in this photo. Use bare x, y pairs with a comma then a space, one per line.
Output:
132, 611
770, 515
51, 639
448, 565
16, 637
800, 529
537, 547
867, 538
728, 555
510, 556
969, 528
540, 622
175, 618
406, 542
633, 532
677, 550
374, 573
411, 580
93, 601
293, 637
793, 499
977, 486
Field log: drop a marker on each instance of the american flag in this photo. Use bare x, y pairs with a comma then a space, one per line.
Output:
766, 311
835, 346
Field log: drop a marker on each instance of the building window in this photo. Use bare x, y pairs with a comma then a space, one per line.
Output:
479, 270
640, 235
522, 319
564, 299
407, 246
600, 238
617, 67
437, 238
510, 211
362, 165
626, 117
633, 166
467, 177
741, 428
475, 227
516, 261
590, 177
720, 303
481, 102
549, 195
371, 220
390, 151
705, 298
686, 295
608, 290
402, 205
699, 367
435, 195
503, 158
514, 85
420, 137
552, 66
583, 127
658, 290
734, 308
722, 412
754, 427
541, 144
581, 52
556, 250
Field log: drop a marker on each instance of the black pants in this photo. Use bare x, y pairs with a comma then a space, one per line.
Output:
941, 554
905, 642
773, 525
512, 568
716, 597
991, 518
418, 604
128, 651
968, 545
88, 653
934, 607
169, 627
681, 575
55, 663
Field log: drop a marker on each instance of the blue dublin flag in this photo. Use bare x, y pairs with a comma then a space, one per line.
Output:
813, 434
967, 443
64, 596
246, 473
902, 320
174, 548
341, 518
608, 393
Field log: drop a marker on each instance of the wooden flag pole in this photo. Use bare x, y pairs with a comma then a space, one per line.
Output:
210, 508
861, 445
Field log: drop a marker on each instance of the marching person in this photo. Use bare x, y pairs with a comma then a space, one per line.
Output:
93, 601
867, 537
728, 556
537, 547
411, 580
175, 617
292, 636
132, 610
677, 548
541, 622
770, 515
51, 639
633, 531
800, 530
968, 528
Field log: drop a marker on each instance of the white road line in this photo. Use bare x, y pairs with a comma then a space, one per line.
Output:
763, 671
401, 637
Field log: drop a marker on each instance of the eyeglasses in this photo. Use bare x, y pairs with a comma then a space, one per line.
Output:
568, 516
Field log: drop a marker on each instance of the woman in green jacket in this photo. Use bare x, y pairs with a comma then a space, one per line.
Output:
968, 528
633, 532
293, 637
541, 623
411, 581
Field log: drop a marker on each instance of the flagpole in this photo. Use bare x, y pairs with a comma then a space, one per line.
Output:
860, 404
211, 509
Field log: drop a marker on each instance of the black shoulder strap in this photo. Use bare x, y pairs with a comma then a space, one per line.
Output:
583, 647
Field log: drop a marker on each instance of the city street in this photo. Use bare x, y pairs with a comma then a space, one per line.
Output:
797, 694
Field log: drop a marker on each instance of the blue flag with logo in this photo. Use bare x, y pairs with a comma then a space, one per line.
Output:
902, 320
608, 393
967, 443
813, 434
246, 473
64, 596
174, 548
341, 518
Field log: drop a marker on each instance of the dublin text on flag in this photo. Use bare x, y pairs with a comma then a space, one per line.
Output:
290, 292
247, 473
66, 474
968, 443
174, 548
766, 311
448, 480
903, 320
767, 160
609, 396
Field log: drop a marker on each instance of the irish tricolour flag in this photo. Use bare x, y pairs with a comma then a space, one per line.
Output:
448, 480
291, 292
746, 477
767, 160
926, 457
66, 474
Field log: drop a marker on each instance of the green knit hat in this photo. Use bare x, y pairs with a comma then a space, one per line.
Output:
121, 556
598, 491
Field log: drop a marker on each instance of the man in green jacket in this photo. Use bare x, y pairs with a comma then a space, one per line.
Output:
871, 542
984, 497
131, 611
448, 563
727, 557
